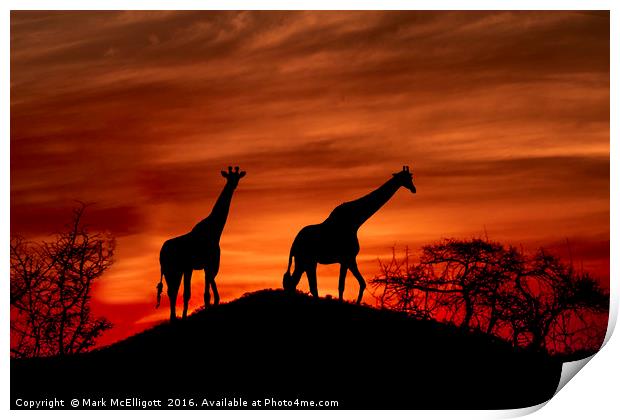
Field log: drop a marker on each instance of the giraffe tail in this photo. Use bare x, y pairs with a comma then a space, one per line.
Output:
160, 288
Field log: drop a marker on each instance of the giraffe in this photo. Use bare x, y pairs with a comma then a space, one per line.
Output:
335, 240
198, 249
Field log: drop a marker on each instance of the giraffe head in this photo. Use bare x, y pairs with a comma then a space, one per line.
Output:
405, 179
233, 177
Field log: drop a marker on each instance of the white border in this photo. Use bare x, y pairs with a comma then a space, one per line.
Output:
592, 394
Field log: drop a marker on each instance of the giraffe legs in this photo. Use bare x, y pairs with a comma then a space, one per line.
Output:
211, 270
207, 290
360, 279
187, 291
173, 280
216, 295
311, 273
295, 278
210, 274
343, 276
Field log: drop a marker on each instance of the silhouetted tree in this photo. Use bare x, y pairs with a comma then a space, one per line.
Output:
469, 270
455, 278
406, 287
546, 294
51, 284
536, 301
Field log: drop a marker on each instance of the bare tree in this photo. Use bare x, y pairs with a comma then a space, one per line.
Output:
405, 287
51, 284
535, 300
549, 299
467, 269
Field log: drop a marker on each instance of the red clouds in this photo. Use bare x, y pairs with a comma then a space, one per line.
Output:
503, 117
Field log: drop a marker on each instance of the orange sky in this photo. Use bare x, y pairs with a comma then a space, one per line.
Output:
502, 116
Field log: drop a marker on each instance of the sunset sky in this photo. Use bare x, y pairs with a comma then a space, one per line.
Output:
502, 116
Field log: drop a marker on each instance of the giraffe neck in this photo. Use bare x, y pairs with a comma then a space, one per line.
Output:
213, 225
355, 213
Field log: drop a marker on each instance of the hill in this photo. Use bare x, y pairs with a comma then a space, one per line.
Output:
269, 344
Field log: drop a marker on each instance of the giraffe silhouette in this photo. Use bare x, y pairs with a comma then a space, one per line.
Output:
335, 240
198, 249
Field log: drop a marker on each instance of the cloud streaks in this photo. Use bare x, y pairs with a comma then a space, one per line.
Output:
503, 116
